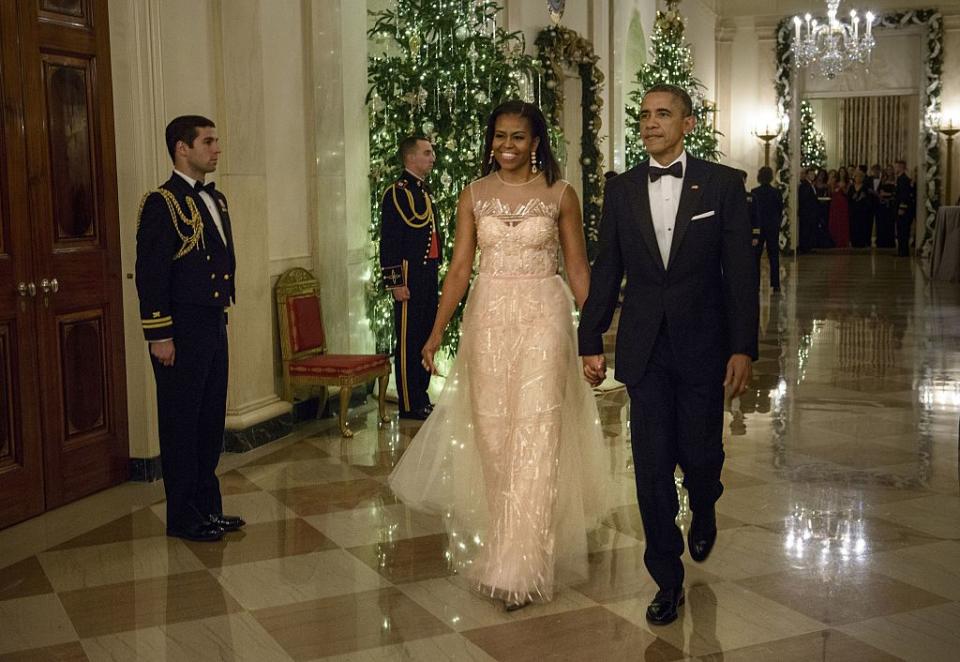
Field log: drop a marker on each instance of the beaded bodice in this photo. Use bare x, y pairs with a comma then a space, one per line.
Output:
517, 231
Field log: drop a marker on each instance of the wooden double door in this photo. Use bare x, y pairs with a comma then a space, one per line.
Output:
63, 422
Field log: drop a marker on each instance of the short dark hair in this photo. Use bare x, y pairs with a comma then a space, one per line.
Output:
538, 127
765, 175
677, 92
901, 162
184, 129
408, 146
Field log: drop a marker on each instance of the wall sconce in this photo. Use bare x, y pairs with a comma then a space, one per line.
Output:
948, 126
766, 131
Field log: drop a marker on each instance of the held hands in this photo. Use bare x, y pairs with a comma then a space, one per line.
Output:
401, 293
428, 352
594, 369
739, 372
164, 351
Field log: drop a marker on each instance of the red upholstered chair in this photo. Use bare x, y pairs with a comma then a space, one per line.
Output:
303, 344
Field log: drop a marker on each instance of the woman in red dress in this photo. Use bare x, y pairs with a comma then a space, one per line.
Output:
839, 223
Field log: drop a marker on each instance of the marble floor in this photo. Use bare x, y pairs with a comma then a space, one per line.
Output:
840, 525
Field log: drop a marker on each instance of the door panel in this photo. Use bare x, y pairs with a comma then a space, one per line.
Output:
21, 464
76, 247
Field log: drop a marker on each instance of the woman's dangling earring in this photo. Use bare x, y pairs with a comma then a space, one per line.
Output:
491, 157
533, 162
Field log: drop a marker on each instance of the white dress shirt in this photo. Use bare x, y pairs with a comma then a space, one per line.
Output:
211, 205
664, 202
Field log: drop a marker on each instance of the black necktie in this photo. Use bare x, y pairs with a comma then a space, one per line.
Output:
675, 170
209, 187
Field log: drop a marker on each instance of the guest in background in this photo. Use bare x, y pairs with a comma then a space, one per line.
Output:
876, 177
768, 213
886, 209
906, 207
609, 174
807, 212
823, 186
862, 208
840, 211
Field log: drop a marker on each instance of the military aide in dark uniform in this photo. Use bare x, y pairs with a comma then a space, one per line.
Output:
906, 202
185, 280
409, 259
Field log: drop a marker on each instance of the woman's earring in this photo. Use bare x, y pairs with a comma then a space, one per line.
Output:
491, 157
533, 161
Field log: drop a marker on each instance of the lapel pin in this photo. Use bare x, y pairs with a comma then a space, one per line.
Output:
223, 205
695, 187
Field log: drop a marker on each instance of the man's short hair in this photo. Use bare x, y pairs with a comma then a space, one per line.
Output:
901, 162
184, 129
408, 146
765, 175
678, 93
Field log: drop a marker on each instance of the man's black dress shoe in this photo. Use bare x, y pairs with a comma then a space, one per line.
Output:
206, 532
227, 522
663, 609
700, 539
416, 414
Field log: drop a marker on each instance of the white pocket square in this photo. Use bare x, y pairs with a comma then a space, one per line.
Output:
706, 214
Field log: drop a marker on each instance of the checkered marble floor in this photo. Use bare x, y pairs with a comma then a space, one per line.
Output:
840, 525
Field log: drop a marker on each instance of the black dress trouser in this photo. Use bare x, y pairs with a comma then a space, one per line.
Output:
191, 408
676, 419
413, 321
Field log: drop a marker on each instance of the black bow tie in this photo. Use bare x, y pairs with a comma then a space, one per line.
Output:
209, 187
675, 170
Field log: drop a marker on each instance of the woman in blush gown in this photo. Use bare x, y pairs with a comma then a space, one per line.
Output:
839, 224
513, 456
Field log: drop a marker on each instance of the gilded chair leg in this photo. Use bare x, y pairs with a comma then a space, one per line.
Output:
383, 380
344, 407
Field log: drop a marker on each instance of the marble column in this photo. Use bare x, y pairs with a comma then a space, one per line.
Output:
255, 414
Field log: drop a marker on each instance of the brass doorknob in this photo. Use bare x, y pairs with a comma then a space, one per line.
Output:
51, 285
26, 289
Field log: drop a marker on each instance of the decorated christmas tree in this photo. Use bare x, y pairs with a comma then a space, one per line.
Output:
813, 148
437, 68
671, 62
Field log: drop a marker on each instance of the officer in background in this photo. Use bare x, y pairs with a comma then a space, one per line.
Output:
185, 280
410, 255
906, 207
767, 211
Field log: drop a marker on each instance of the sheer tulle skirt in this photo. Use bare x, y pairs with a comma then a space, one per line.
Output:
513, 456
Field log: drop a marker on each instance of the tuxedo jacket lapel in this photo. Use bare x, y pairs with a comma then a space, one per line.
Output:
693, 182
640, 203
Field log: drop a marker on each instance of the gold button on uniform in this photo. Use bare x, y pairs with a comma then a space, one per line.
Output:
216, 295
212, 276
226, 276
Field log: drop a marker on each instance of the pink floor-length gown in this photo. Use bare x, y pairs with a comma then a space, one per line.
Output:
513, 455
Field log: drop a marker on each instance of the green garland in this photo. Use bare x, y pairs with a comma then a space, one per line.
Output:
557, 47
931, 92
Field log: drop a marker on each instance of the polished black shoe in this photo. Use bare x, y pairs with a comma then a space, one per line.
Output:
700, 539
206, 532
514, 606
665, 606
416, 414
227, 522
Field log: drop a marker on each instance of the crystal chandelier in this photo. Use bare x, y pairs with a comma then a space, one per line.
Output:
832, 47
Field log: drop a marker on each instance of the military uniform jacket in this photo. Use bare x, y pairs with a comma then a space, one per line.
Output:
408, 221
181, 257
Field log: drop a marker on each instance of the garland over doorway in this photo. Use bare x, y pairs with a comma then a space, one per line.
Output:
931, 90
558, 48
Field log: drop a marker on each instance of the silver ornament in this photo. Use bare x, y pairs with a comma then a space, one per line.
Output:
427, 127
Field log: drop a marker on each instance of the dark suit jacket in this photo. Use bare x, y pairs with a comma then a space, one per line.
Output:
768, 210
708, 296
173, 266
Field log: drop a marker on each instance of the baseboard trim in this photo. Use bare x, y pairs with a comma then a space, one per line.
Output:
258, 434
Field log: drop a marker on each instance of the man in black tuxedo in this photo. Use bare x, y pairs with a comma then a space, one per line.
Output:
808, 211
678, 227
768, 214
185, 280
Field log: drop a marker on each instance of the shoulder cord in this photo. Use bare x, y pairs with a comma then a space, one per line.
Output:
426, 216
194, 222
